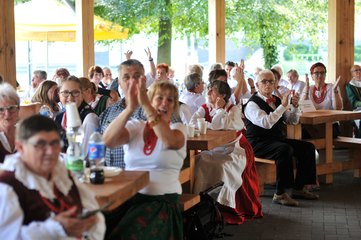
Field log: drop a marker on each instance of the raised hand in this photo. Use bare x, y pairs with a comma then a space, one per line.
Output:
335, 86
132, 96
295, 99
241, 65
142, 91
149, 54
128, 54
284, 99
220, 103
74, 226
239, 75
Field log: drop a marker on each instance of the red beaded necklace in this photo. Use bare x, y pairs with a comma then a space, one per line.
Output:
150, 141
320, 99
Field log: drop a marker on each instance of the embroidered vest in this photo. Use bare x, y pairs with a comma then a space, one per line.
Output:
31, 201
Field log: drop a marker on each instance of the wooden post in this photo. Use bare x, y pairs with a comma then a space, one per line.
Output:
85, 35
341, 22
7, 42
216, 29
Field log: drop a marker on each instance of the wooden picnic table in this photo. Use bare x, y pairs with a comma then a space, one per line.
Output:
326, 117
212, 139
120, 187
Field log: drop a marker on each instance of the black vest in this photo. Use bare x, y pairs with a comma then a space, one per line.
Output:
253, 132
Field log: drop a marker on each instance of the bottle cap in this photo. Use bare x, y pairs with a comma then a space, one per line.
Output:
72, 115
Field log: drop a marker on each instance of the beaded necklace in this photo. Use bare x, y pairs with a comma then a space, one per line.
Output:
319, 99
150, 141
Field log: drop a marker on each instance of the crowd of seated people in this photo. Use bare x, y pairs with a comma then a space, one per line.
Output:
141, 119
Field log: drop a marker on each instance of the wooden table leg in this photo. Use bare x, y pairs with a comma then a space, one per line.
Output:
294, 131
328, 178
191, 168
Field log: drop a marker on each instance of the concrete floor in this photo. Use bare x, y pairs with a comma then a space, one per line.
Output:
336, 215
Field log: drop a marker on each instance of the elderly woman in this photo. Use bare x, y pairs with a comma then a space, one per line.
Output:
323, 96
233, 163
71, 91
48, 95
96, 74
157, 146
219, 112
9, 114
353, 90
39, 198
60, 75
98, 102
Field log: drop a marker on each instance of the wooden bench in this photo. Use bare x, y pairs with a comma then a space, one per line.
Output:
266, 170
186, 176
354, 146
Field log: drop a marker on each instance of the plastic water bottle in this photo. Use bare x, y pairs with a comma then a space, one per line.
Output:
74, 155
96, 157
46, 111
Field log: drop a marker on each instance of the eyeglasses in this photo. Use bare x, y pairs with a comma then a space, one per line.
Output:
108, 74
319, 74
11, 109
357, 70
74, 93
265, 81
42, 144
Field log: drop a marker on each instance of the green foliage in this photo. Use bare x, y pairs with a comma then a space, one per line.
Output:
294, 49
271, 23
187, 16
358, 53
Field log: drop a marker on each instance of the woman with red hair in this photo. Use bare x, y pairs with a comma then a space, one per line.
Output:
323, 95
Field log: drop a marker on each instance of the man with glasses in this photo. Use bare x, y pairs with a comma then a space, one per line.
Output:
265, 116
39, 198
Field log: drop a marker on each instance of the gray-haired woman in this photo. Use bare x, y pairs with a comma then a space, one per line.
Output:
9, 114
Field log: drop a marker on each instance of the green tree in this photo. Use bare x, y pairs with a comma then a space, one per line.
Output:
271, 23
165, 17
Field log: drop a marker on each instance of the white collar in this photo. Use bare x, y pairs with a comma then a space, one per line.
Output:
33, 181
5, 142
261, 96
355, 83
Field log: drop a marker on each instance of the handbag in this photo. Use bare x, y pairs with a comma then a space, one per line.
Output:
204, 221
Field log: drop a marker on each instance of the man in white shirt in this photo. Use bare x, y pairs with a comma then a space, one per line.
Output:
193, 97
294, 83
265, 116
38, 77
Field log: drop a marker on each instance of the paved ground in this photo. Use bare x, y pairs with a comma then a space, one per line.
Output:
337, 215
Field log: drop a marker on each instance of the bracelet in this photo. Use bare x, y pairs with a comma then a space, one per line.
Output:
150, 59
154, 122
253, 87
335, 91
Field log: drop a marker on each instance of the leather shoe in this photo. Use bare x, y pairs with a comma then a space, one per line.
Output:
304, 194
284, 199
